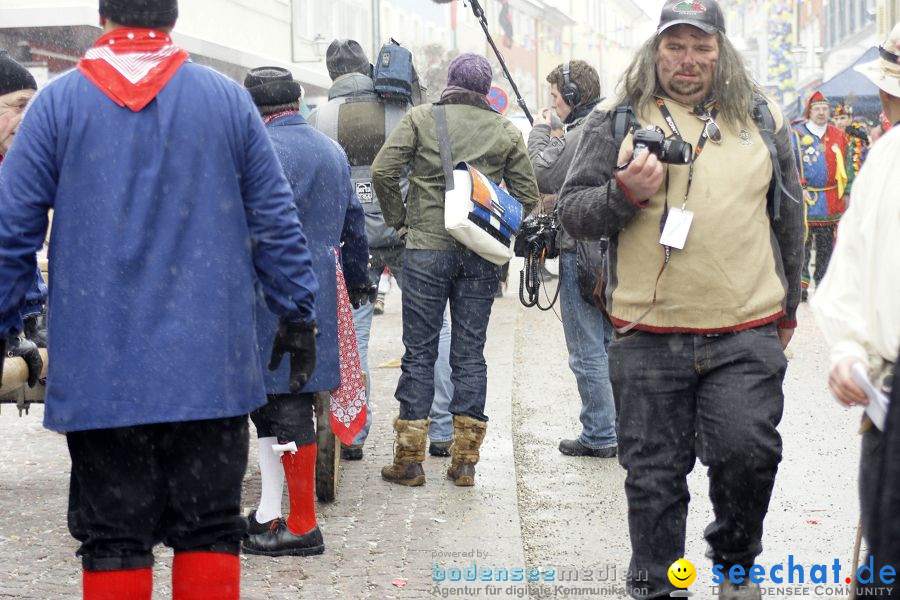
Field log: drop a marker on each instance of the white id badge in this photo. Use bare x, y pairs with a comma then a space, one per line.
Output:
675, 232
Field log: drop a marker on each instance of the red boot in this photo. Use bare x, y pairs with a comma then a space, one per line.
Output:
299, 535
131, 584
206, 576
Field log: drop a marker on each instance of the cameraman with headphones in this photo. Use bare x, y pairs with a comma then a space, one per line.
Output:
574, 92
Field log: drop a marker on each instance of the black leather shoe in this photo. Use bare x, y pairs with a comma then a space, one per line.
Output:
279, 541
441, 449
576, 448
351, 453
254, 527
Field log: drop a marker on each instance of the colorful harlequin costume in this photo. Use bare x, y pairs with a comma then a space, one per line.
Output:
821, 153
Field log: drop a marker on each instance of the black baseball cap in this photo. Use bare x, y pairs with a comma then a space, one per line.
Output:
702, 14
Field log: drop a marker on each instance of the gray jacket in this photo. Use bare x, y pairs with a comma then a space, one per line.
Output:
551, 157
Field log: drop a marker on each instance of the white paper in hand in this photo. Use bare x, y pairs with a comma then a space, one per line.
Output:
878, 402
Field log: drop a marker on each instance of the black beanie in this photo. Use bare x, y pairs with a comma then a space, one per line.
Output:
346, 56
14, 77
140, 13
272, 86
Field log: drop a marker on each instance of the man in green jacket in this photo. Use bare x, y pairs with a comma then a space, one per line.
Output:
437, 268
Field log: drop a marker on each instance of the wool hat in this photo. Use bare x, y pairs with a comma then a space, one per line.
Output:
272, 86
346, 56
703, 14
140, 13
470, 71
14, 77
884, 71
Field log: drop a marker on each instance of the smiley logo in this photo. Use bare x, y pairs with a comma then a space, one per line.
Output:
682, 573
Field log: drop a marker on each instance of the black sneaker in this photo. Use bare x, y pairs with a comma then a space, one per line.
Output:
576, 448
441, 449
351, 453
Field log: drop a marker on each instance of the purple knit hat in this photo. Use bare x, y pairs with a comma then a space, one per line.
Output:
470, 71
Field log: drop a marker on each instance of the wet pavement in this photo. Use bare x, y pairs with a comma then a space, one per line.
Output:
531, 508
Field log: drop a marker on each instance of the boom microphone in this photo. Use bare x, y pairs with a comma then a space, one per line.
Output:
482, 20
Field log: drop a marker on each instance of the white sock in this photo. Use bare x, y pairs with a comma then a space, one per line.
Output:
384, 283
272, 475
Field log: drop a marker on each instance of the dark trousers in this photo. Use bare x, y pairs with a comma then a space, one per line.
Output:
430, 279
176, 483
879, 495
684, 396
822, 236
288, 417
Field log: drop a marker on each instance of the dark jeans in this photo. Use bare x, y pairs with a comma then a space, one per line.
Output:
684, 396
288, 417
176, 483
430, 279
879, 496
823, 238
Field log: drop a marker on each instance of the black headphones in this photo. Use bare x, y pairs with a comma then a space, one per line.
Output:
570, 92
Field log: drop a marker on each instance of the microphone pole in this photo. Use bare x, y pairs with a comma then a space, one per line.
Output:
479, 14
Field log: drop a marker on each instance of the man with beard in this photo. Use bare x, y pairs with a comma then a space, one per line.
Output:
704, 311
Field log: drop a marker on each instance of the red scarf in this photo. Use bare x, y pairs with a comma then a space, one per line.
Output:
132, 66
348, 401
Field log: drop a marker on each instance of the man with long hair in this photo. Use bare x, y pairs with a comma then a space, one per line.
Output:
704, 311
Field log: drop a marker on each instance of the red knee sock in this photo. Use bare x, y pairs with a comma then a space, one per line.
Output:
131, 584
206, 576
300, 472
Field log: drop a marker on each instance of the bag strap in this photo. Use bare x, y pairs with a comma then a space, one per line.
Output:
327, 117
623, 123
393, 114
440, 124
765, 123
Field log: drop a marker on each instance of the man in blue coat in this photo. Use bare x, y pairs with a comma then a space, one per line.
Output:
169, 205
319, 174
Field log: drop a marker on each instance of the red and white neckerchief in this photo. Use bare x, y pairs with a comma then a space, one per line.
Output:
269, 118
348, 401
131, 65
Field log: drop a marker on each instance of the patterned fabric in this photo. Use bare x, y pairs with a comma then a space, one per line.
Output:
348, 401
131, 66
823, 172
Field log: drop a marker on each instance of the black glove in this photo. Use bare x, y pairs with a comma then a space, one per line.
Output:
298, 338
36, 329
362, 294
16, 346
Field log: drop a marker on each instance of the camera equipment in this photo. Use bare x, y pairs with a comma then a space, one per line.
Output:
479, 14
536, 242
651, 138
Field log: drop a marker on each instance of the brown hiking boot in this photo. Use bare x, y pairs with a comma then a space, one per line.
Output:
468, 433
409, 452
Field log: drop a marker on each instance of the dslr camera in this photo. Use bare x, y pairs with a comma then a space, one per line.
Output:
538, 235
651, 138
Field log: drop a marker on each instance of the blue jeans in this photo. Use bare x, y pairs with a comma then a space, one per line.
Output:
468, 282
682, 397
587, 337
441, 429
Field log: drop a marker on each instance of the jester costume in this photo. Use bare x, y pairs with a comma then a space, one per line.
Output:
821, 157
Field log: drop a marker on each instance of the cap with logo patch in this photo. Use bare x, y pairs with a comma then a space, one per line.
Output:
703, 14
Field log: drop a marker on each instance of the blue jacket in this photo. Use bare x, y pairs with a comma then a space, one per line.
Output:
164, 220
319, 174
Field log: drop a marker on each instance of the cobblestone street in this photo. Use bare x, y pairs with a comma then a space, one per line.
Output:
531, 506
